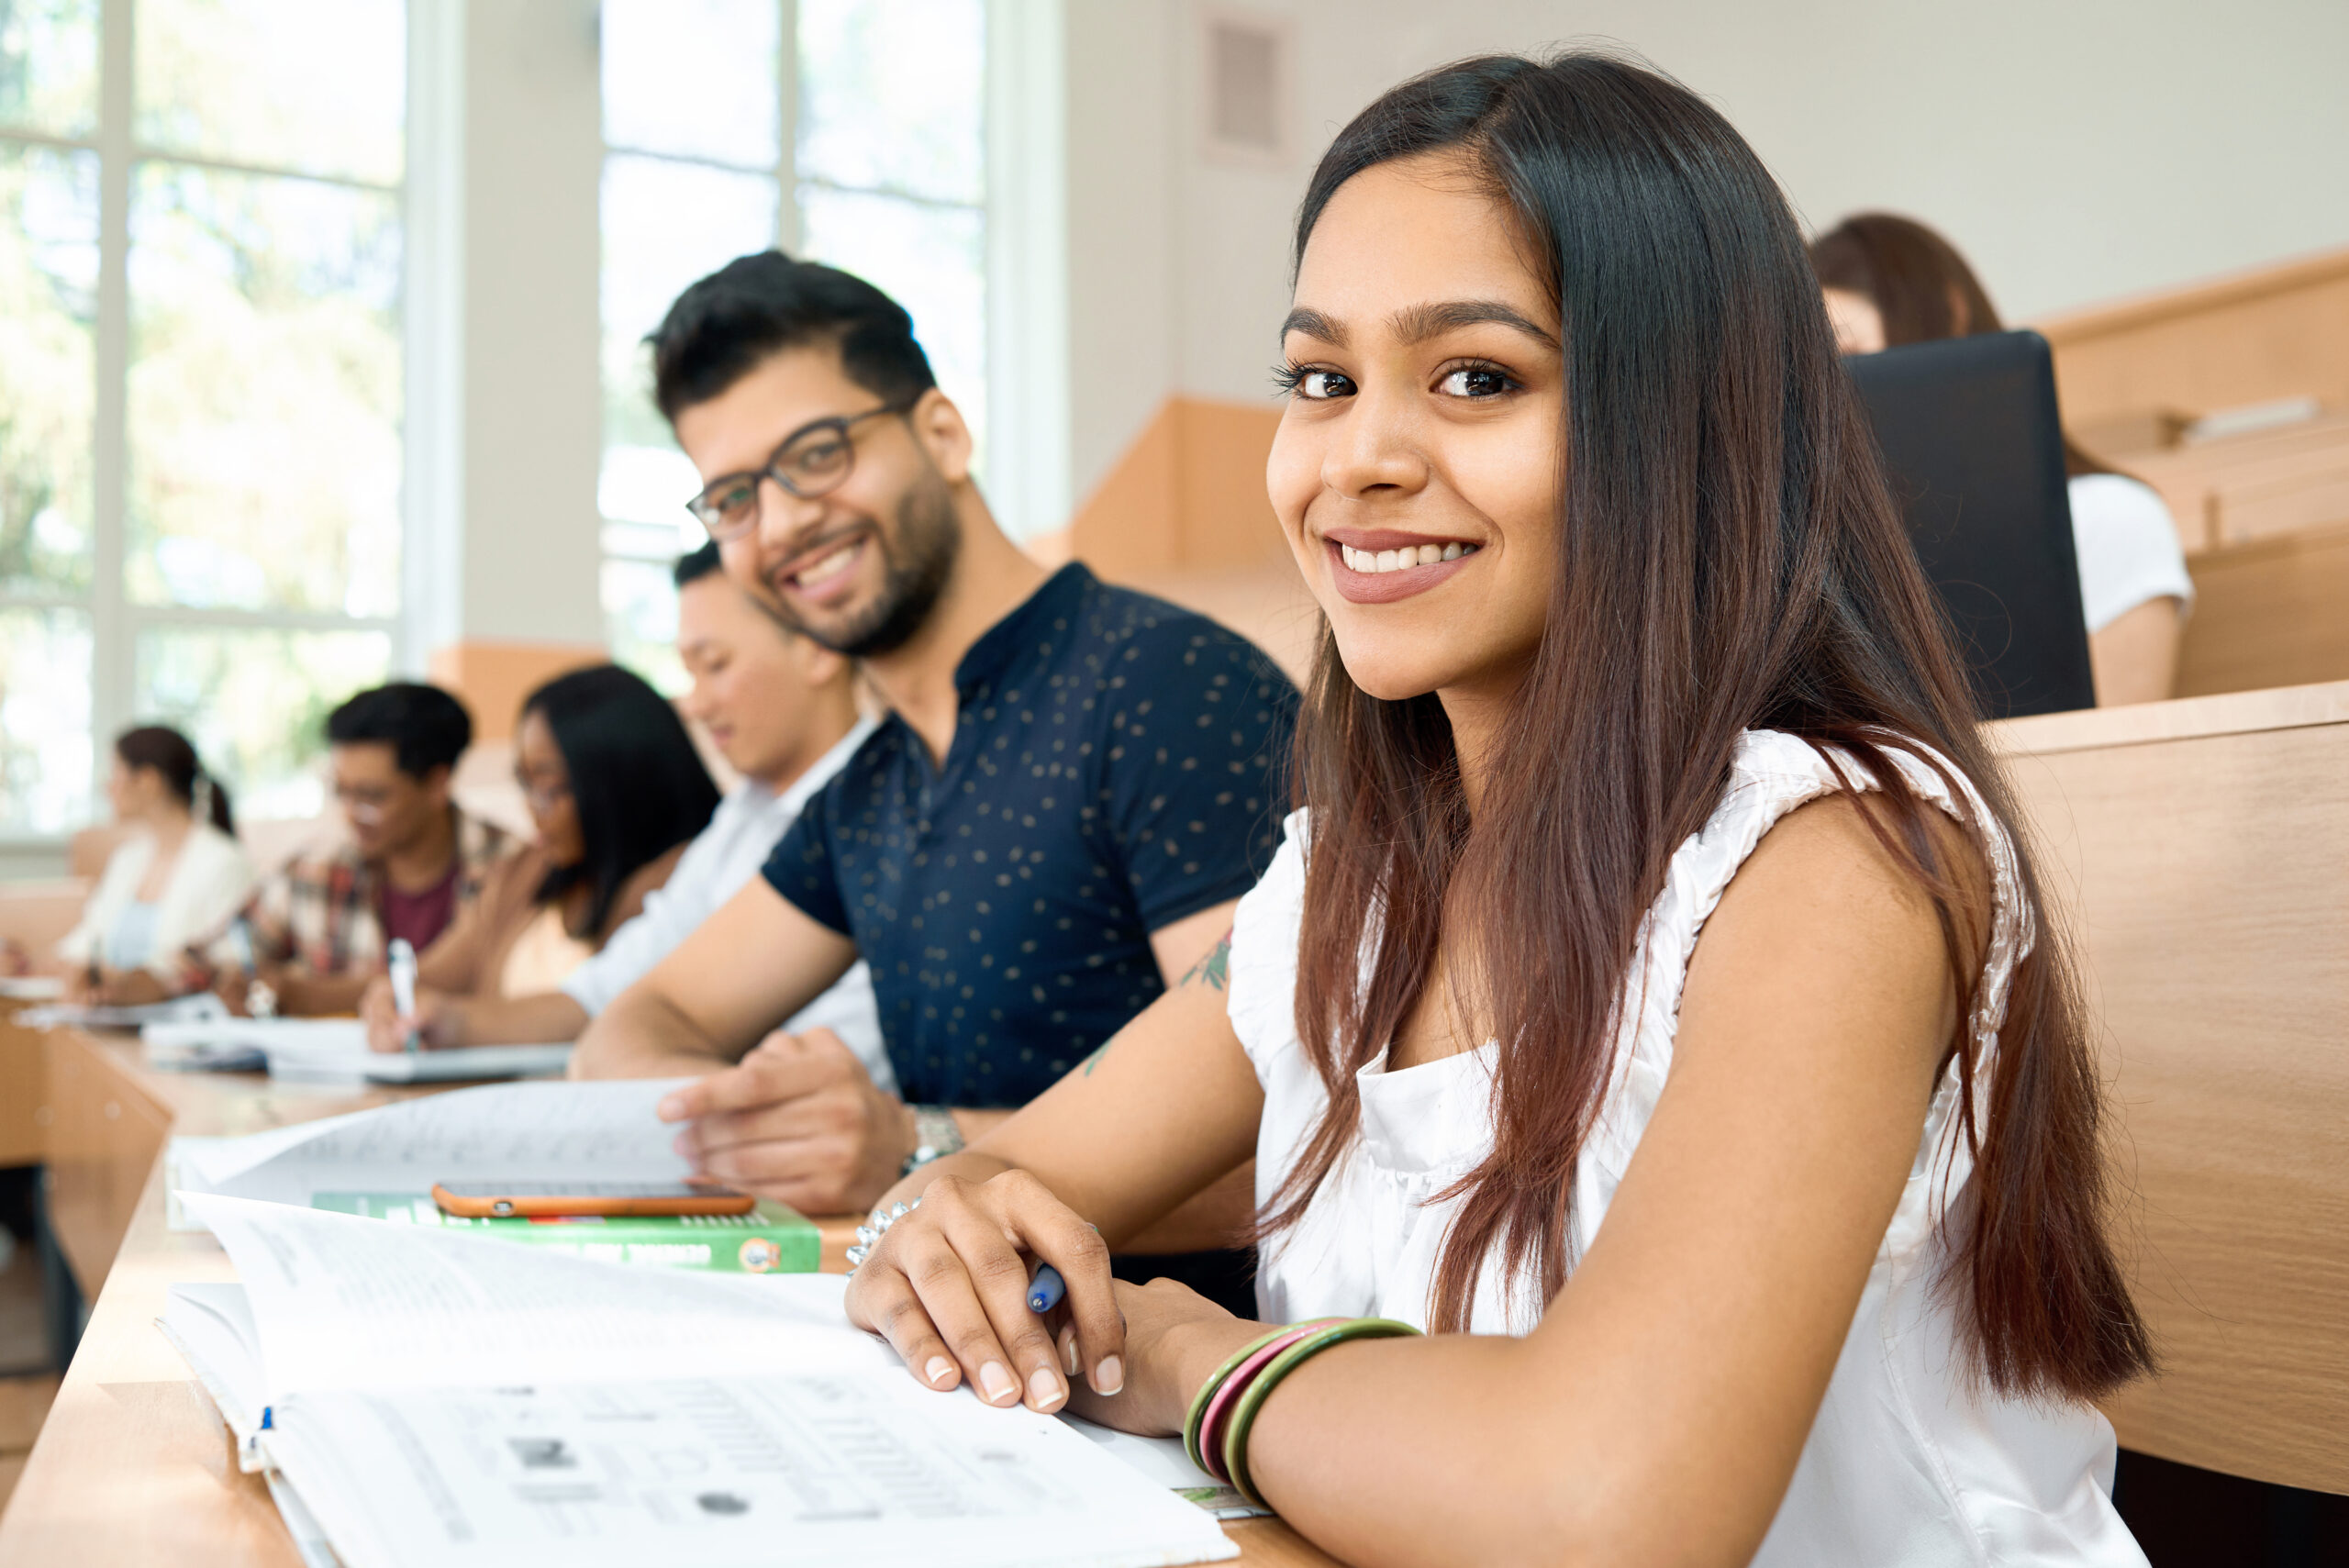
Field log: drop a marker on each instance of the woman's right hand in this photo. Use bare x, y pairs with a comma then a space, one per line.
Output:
947, 1286
385, 1029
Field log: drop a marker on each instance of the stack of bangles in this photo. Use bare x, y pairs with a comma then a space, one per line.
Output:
1215, 1433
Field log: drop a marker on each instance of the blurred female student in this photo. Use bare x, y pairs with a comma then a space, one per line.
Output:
178, 878
1890, 280
616, 791
1653, 998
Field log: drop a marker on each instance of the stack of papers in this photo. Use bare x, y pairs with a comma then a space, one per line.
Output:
382, 1164
329, 1050
423, 1402
601, 1133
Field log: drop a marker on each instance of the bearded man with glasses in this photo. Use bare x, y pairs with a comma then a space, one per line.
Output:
1072, 787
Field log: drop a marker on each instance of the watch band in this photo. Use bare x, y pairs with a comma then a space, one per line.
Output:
936, 1135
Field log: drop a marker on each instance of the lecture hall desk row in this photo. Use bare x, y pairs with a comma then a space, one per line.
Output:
2198, 848
133, 1468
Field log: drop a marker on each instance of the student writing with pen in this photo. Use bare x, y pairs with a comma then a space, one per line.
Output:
406, 862
781, 708
1072, 785
616, 791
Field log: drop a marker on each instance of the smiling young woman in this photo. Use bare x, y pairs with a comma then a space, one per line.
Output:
1652, 997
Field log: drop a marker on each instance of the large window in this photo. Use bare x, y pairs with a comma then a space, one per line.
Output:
849, 132
200, 383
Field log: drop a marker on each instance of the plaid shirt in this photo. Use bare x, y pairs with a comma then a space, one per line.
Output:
321, 915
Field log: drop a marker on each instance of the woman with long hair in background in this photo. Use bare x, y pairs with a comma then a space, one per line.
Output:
1890, 280
616, 791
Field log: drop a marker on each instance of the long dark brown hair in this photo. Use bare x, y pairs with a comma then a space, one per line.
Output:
640, 787
1921, 288
1729, 560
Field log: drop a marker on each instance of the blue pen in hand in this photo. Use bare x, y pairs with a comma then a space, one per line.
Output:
1044, 1292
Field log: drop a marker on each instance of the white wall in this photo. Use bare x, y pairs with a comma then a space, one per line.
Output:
2076, 150
1123, 316
504, 417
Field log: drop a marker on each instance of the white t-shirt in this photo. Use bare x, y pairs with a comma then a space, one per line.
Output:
2127, 546
716, 865
1907, 1461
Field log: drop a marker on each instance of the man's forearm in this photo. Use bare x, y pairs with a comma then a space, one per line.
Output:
641, 1035
1215, 1218
977, 1124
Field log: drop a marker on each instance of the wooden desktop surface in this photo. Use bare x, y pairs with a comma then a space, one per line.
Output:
133, 1466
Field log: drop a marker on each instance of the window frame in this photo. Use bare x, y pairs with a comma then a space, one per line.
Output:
1007, 33
117, 620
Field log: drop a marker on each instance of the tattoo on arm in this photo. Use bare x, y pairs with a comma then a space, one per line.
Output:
1215, 969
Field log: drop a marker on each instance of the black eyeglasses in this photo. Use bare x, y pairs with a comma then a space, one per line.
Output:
813, 461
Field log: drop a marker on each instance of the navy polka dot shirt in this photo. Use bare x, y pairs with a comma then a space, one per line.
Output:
1115, 767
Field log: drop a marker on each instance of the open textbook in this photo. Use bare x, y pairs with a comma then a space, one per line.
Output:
426, 1403
328, 1048
383, 1163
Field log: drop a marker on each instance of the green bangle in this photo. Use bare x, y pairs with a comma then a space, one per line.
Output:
1252, 1398
1207, 1391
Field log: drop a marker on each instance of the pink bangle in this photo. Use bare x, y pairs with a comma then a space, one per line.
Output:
1226, 1395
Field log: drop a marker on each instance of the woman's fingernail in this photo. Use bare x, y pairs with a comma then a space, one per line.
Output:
996, 1381
1110, 1376
939, 1370
670, 1110
1044, 1390
1068, 1353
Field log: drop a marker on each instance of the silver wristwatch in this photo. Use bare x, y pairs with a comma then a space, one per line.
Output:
936, 1135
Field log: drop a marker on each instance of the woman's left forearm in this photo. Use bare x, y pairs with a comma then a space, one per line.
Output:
1412, 1451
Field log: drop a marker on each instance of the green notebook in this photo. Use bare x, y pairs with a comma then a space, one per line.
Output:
770, 1239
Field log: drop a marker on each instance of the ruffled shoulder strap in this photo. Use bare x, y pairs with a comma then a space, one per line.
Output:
1771, 775
1262, 1002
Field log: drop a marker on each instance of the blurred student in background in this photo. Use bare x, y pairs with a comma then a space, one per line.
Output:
1890, 280
413, 863
781, 709
616, 791
180, 873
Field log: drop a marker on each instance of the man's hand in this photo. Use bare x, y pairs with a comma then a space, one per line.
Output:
235, 987
798, 1120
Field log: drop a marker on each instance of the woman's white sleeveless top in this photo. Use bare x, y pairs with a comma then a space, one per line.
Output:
1908, 1462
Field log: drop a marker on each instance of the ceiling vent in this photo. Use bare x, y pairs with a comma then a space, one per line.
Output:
1248, 87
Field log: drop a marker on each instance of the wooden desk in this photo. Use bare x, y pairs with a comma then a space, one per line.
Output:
2195, 848
133, 1466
